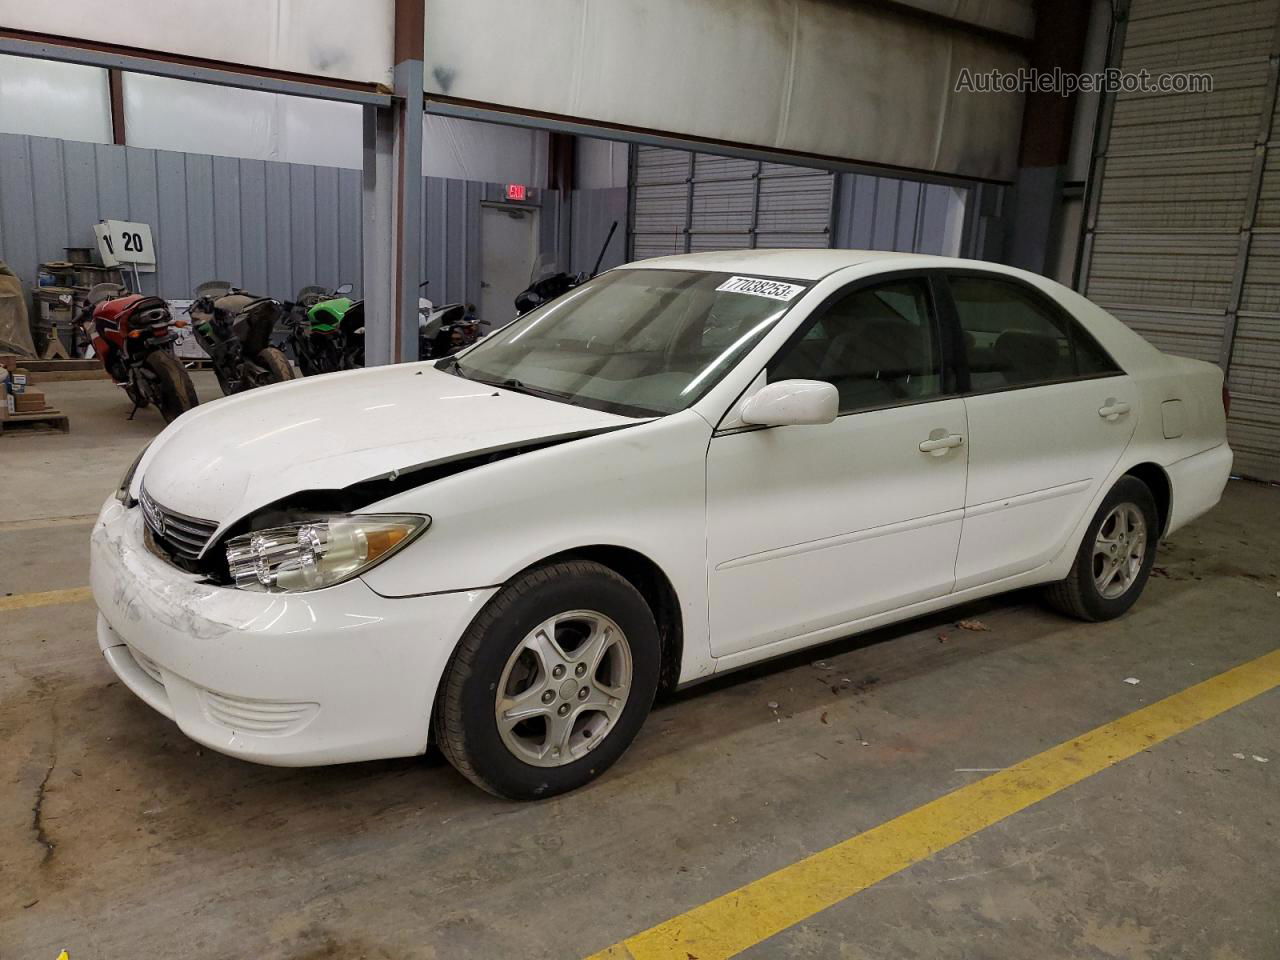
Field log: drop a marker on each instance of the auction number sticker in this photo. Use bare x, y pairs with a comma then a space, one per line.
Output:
754, 286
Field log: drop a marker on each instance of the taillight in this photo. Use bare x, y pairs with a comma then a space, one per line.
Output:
1226, 401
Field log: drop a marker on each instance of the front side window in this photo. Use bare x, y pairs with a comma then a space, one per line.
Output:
1013, 339
636, 342
876, 345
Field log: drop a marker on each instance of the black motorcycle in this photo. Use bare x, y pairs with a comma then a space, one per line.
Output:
315, 334
545, 286
235, 330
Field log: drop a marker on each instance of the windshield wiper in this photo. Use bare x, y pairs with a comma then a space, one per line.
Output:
451, 365
519, 387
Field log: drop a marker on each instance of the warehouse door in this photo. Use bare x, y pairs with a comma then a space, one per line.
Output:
507, 246
685, 202
1183, 242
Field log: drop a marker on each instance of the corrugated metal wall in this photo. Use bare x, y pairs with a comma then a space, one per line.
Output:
270, 227
884, 213
1183, 240
686, 202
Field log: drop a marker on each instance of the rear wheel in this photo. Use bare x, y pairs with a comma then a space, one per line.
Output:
1115, 557
550, 683
277, 367
174, 392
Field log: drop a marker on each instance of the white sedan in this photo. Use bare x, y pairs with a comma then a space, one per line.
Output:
682, 467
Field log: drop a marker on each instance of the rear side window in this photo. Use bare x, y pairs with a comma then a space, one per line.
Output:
1012, 338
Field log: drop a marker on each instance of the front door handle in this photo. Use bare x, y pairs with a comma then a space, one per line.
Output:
940, 445
1113, 409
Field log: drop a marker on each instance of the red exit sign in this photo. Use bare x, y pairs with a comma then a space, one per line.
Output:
517, 191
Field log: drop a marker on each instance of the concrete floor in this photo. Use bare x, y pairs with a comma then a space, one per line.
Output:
121, 839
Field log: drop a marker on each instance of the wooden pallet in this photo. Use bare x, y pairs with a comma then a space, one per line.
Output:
50, 417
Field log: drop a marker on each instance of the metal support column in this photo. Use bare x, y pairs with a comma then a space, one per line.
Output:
378, 218
408, 253
392, 197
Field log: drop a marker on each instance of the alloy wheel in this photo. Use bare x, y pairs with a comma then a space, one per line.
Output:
1119, 550
563, 689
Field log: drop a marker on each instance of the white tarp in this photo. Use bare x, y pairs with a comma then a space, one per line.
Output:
47, 99
840, 80
166, 114
325, 38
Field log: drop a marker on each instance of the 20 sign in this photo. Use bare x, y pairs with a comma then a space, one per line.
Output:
120, 241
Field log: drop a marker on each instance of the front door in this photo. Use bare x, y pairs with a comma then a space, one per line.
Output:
811, 527
508, 239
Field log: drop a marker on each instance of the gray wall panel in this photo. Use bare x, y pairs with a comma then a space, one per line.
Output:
172, 263
227, 258
267, 226
350, 228
302, 220
199, 180
17, 207
279, 231
49, 194
326, 215
80, 179
253, 228
113, 182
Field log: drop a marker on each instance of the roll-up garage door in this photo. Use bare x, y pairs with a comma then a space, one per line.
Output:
685, 202
1184, 238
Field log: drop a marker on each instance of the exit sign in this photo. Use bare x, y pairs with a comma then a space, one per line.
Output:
517, 191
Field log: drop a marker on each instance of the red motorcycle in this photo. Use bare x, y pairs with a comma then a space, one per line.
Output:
132, 336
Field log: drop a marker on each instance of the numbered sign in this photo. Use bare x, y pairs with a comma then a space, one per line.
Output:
120, 241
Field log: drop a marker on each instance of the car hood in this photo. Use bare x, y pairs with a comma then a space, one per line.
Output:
225, 459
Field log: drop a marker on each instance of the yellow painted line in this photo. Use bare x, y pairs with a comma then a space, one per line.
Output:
736, 921
24, 601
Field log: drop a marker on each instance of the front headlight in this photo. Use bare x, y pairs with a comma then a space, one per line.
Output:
319, 552
122, 491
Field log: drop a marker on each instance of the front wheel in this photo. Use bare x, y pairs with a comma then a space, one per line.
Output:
1115, 557
550, 683
175, 394
277, 366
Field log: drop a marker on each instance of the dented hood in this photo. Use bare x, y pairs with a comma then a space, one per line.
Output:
225, 459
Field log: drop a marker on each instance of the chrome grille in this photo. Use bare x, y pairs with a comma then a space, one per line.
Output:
185, 536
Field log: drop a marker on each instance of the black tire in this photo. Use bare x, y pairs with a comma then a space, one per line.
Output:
466, 728
175, 393
1079, 595
278, 367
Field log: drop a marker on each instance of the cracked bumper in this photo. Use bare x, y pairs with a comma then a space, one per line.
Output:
330, 676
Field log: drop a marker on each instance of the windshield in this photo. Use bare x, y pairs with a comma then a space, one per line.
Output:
635, 342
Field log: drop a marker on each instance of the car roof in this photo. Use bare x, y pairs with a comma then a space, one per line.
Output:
798, 264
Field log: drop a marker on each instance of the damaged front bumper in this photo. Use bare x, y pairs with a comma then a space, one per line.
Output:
328, 676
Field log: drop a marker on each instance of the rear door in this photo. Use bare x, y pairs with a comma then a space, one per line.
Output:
1049, 414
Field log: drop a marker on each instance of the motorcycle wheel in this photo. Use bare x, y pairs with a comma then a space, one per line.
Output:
175, 393
277, 364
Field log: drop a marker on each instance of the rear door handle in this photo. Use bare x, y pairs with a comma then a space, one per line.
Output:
940, 445
1113, 409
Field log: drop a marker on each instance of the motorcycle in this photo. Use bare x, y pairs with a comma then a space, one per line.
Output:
235, 329
547, 285
314, 324
131, 334
445, 330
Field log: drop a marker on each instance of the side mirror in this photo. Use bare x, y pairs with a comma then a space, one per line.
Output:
792, 403
344, 289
